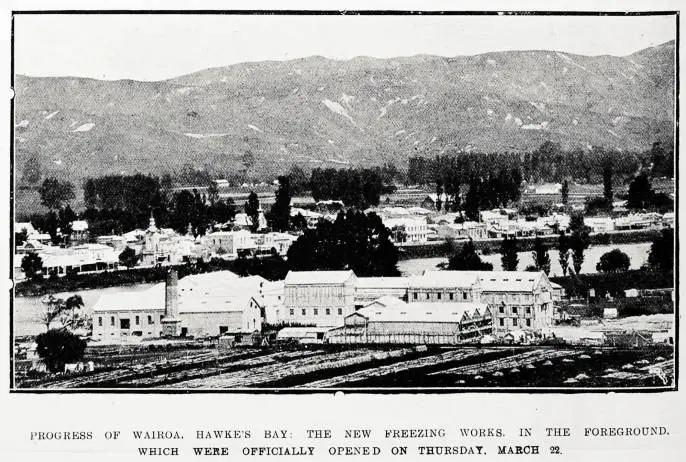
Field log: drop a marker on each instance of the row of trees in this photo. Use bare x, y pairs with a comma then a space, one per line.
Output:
359, 188
548, 163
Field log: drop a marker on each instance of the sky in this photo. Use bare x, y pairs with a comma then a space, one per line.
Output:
158, 47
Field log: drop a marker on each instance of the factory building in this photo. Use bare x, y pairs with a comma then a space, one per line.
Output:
445, 287
370, 289
202, 305
318, 298
391, 321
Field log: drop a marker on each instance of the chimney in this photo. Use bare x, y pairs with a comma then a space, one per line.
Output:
171, 295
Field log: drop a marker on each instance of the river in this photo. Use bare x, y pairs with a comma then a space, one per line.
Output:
638, 255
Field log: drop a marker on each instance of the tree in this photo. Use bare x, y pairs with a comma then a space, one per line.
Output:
212, 192
508, 250
58, 347
355, 241
468, 260
298, 222
579, 241
541, 257
252, 209
613, 261
281, 210
640, 192
563, 247
439, 194
20, 238
472, 201
607, 182
55, 193
661, 255
298, 180
66, 312
128, 257
565, 191
65, 217
32, 265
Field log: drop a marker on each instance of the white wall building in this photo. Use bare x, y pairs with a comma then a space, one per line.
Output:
202, 305
319, 298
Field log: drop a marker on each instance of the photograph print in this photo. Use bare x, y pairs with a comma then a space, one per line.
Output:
303, 202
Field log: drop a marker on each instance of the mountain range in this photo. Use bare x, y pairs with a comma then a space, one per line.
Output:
319, 112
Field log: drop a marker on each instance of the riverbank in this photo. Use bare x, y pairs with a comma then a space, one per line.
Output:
271, 268
486, 246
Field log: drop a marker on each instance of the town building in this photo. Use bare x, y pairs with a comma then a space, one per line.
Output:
203, 305
79, 231
407, 229
59, 261
118, 243
600, 224
229, 243
163, 246
461, 231
318, 298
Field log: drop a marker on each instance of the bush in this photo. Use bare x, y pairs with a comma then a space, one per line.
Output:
58, 347
613, 261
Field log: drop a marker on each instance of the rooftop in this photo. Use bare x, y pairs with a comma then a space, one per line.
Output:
438, 279
318, 277
423, 312
383, 283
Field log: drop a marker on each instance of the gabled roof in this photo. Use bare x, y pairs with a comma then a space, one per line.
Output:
444, 279
422, 312
383, 283
318, 277
387, 301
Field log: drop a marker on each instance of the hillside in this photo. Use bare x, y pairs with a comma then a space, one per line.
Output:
321, 112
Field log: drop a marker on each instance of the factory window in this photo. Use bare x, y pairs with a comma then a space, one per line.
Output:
502, 322
150, 320
316, 311
292, 312
138, 320
528, 322
100, 321
439, 295
111, 320
328, 311
304, 311
340, 311
452, 295
414, 295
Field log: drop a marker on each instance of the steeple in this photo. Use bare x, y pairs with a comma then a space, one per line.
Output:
151, 226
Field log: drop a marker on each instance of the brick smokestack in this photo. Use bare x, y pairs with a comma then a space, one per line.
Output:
171, 295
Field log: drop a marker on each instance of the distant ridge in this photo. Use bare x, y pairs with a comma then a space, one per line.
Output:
363, 111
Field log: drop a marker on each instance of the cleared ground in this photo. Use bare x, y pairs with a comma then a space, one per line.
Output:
393, 367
